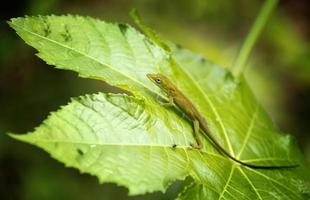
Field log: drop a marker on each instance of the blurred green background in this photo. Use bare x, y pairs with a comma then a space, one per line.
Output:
278, 72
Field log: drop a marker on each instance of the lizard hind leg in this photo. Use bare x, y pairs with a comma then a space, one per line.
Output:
196, 127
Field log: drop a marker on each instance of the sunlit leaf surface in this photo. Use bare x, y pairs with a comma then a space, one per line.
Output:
133, 141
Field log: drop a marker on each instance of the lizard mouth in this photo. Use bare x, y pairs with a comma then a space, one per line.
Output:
151, 77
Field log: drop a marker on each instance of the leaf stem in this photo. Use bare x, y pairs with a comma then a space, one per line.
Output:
239, 65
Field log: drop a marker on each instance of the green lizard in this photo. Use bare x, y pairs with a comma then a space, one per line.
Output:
176, 97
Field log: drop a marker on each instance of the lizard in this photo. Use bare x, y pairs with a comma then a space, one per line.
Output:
176, 97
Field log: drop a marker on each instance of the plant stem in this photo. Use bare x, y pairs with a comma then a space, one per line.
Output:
239, 65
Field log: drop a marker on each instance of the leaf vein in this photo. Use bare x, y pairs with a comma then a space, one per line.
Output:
249, 131
250, 182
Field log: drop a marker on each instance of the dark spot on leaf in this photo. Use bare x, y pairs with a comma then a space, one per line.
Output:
80, 152
174, 146
123, 28
179, 46
47, 27
66, 34
47, 31
229, 76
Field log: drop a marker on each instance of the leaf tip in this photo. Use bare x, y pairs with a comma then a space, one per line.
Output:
16, 136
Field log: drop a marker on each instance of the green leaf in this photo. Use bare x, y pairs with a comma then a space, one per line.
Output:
129, 140
103, 134
116, 53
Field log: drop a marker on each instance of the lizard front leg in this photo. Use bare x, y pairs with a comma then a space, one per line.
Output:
196, 135
167, 104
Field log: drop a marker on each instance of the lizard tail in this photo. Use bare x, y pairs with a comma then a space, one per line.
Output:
205, 129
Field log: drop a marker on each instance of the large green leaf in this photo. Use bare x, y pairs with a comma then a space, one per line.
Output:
129, 139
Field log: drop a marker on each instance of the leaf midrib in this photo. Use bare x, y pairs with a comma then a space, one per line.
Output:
115, 144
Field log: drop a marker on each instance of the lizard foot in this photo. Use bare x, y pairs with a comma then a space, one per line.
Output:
196, 146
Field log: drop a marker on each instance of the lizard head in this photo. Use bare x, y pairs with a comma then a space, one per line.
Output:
162, 82
158, 79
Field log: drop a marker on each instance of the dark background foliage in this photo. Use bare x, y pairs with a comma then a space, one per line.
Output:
278, 72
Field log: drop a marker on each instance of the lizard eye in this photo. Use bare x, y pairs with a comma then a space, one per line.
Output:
158, 80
